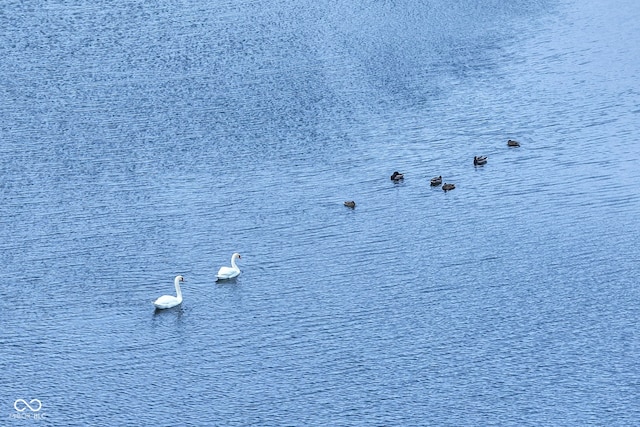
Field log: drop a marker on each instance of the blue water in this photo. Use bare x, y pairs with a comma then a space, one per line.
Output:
141, 140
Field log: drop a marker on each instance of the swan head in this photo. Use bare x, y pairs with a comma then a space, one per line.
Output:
236, 255
179, 279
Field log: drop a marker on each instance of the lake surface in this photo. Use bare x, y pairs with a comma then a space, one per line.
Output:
141, 141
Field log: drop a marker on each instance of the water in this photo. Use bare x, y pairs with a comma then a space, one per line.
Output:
142, 141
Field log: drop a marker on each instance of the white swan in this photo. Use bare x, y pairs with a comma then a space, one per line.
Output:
229, 272
168, 301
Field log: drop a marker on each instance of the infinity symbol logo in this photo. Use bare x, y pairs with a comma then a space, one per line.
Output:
21, 405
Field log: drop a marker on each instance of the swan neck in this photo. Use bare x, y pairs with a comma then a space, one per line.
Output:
233, 262
178, 290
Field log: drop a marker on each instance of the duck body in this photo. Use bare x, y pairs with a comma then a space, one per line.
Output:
448, 187
350, 204
512, 143
229, 272
479, 160
397, 176
435, 181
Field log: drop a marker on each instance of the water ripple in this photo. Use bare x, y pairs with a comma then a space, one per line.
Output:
145, 141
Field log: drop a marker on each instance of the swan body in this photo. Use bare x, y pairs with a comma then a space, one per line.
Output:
229, 272
479, 160
435, 181
397, 176
512, 143
447, 187
168, 301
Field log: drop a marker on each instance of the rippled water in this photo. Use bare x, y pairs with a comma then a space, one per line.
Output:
141, 141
